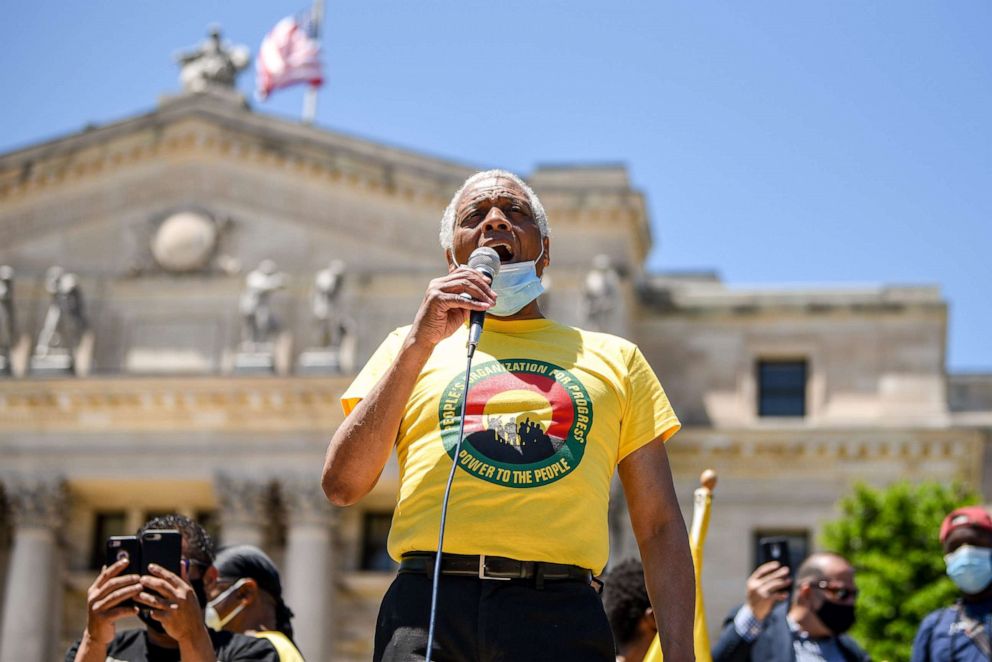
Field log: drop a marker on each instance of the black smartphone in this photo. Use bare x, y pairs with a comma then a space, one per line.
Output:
163, 547
774, 549
125, 547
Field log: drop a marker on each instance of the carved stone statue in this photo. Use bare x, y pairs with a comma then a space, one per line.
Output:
65, 321
324, 304
259, 325
212, 64
65, 343
602, 288
336, 338
8, 325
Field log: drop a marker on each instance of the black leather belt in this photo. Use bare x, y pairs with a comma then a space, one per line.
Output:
497, 568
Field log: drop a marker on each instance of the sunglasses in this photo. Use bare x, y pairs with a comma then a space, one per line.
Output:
838, 593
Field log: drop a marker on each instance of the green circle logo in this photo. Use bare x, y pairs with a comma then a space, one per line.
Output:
526, 422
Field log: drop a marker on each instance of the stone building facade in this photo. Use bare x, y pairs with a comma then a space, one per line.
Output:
790, 395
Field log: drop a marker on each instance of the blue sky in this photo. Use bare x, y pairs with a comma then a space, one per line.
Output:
779, 142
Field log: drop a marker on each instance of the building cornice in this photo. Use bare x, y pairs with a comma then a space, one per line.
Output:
136, 404
856, 453
171, 404
714, 298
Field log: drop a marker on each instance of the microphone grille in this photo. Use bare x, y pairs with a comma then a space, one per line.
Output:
485, 260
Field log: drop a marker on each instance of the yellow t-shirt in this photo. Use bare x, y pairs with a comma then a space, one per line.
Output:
551, 411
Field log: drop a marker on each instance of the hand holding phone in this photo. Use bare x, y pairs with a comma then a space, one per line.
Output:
769, 584
169, 597
774, 549
111, 596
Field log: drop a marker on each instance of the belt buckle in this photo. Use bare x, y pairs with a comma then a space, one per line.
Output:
482, 571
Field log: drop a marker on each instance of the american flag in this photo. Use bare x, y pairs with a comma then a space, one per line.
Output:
289, 54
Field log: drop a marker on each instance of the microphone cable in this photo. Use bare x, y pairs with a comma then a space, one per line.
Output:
486, 261
444, 508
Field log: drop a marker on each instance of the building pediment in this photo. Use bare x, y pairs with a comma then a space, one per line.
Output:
209, 149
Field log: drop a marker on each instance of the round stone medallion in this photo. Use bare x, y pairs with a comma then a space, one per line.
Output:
184, 241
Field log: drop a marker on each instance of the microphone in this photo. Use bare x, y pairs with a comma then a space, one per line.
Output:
486, 262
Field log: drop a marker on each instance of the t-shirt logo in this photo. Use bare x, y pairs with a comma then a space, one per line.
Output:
525, 423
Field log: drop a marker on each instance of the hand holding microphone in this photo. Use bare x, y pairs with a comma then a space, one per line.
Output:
448, 297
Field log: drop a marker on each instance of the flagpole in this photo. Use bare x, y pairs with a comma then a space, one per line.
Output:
310, 105
310, 97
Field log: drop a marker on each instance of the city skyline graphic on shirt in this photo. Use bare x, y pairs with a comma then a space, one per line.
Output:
515, 441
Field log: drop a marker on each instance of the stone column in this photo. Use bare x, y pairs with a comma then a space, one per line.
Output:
309, 582
244, 508
31, 604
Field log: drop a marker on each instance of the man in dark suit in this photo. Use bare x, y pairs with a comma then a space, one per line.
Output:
810, 629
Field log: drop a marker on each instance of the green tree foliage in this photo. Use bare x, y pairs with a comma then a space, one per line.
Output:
890, 536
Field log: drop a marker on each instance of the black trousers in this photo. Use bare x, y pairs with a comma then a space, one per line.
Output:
493, 621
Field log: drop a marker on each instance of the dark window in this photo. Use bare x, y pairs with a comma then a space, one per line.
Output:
781, 388
798, 545
110, 523
375, 531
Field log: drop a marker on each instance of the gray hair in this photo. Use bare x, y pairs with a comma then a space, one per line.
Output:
448, 219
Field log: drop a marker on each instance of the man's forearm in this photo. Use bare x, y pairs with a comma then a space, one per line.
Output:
361, 447
671, 585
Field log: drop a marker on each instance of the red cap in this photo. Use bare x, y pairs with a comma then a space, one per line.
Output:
975, 516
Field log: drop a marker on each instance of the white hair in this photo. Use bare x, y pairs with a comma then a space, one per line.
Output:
448, 219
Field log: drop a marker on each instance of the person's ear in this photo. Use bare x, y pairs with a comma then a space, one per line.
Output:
545, 257
248, 591
648, 624
448, 257
210, 577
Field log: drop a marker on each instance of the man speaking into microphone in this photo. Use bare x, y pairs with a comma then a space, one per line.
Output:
551, 412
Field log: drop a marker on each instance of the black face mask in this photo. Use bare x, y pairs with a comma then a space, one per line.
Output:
837, 617
201, 592
145, 615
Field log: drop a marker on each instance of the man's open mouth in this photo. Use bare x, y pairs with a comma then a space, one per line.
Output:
504, 251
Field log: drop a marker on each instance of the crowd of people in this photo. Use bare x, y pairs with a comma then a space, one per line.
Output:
229, 606
806, 618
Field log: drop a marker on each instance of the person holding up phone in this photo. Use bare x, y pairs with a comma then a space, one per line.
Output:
169, 603
809, 629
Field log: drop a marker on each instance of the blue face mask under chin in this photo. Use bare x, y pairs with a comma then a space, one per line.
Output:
970, 568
